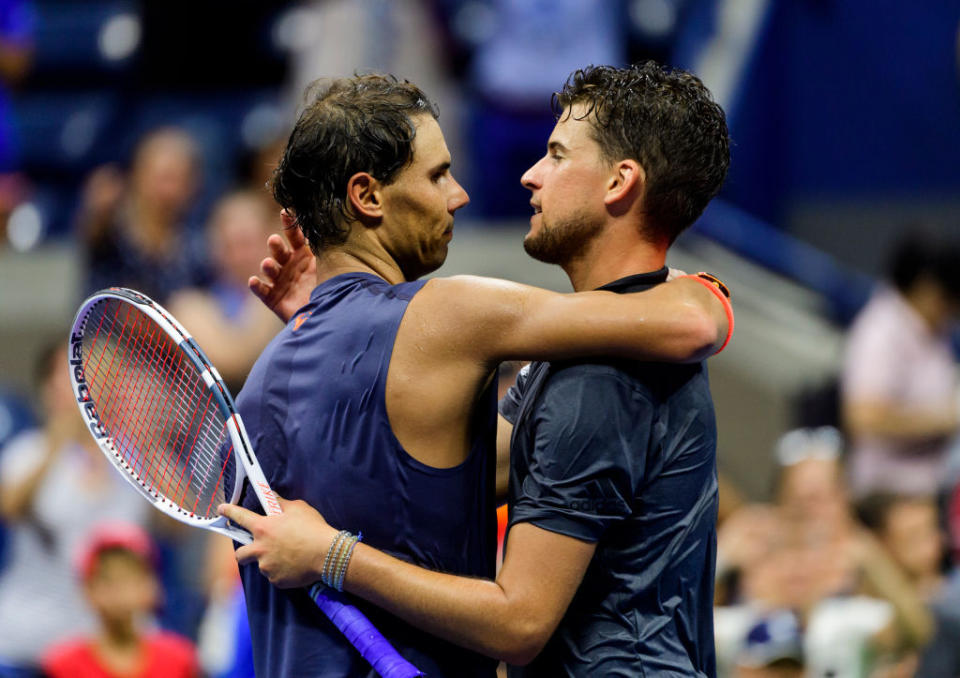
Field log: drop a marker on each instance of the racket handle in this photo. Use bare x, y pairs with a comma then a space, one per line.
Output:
363, 635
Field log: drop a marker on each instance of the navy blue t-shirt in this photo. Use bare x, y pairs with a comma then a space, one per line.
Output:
622, 454
314, 407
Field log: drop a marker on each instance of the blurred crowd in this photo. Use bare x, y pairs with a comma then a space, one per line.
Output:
848, 569
851, 568
60, 499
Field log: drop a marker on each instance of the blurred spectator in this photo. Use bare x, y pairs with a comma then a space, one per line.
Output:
117, 568
909, 529
257, 172
133, 227
524, 50
224, 639
227, 320
55, 486
396, 36
772, 648
899, 382
402, 37
15, 417
806, 554
16, 56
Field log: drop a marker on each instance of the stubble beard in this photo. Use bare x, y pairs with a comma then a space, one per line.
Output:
564, 242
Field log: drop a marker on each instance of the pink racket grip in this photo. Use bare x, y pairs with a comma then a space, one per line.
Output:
363, 635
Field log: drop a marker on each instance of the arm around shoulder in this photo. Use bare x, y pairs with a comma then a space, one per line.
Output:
679, 321
510, 618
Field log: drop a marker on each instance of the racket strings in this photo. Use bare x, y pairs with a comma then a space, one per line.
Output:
165, 423
187, 438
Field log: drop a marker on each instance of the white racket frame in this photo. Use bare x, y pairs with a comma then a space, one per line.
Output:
248, 466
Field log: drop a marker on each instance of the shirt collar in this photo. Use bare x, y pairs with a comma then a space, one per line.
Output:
637, 280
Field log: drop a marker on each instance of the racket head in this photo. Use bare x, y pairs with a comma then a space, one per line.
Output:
133, 422
156, 407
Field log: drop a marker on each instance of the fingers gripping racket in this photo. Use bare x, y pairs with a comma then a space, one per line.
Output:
161, 413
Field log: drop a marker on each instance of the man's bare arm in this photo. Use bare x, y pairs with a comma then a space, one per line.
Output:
510, 618
679, 321
878, 418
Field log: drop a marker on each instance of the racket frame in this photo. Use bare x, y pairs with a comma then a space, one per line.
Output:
248, 466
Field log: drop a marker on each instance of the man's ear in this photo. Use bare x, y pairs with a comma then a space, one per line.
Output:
626, 184
363, 193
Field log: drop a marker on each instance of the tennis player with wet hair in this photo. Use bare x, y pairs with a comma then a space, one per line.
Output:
609, 561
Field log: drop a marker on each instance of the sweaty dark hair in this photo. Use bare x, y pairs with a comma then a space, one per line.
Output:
667, 121
359, 124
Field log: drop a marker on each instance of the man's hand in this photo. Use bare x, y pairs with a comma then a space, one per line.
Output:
289, 274
290, 547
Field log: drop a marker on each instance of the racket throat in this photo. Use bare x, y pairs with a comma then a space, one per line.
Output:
254, 474
223, 526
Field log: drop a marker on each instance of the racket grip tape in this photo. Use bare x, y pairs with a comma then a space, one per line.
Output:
363, 635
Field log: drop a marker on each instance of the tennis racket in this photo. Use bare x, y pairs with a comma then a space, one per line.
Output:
161, 413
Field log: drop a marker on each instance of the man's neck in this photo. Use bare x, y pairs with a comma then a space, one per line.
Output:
610, 259
339, 260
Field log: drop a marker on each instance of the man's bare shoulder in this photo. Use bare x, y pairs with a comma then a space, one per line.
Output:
478, 283
460, 317
476, 296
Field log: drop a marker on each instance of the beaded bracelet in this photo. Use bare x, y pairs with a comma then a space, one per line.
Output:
339, 562
345, 560
330, 554
325, 573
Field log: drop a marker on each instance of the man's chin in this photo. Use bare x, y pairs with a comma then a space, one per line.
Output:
538, 249
416, 270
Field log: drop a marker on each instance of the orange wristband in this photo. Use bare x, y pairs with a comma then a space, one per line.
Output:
721, 292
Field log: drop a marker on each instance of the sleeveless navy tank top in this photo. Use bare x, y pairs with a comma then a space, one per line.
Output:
314, 407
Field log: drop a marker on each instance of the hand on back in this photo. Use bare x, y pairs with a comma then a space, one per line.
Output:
289, 274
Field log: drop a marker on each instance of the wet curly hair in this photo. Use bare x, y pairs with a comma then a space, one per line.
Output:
359, 124
666, 120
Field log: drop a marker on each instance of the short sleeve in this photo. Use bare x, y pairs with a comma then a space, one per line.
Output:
870, 367
874, 355
591, 430
510, 403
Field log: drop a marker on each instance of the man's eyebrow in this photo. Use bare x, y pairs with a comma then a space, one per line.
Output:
440, 168
555, 145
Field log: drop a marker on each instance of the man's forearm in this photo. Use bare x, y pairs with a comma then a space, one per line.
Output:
510, 619
884, 579
889, 420
473, 613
